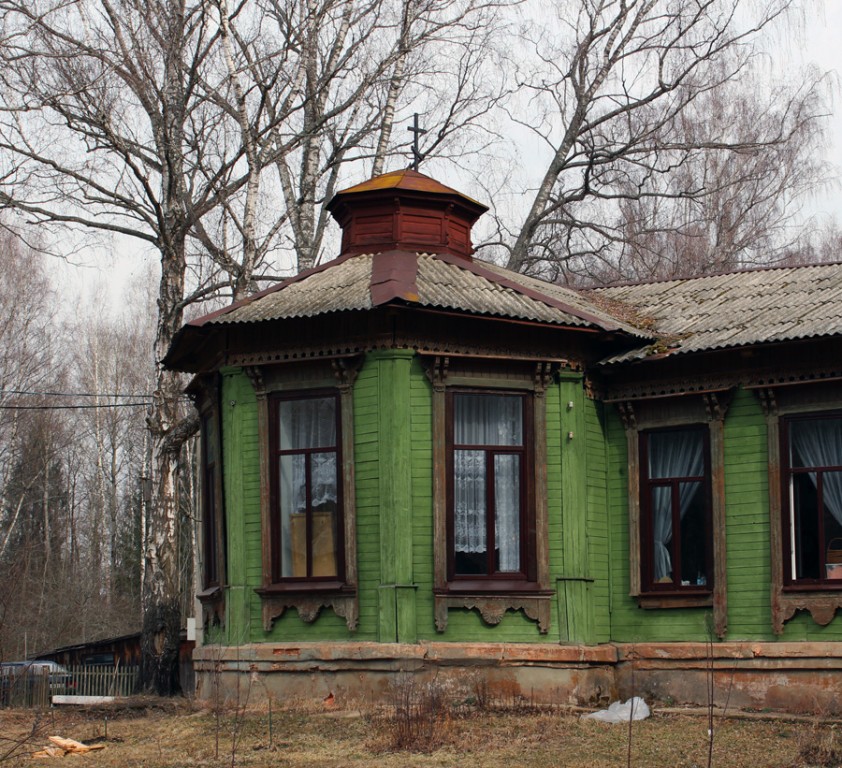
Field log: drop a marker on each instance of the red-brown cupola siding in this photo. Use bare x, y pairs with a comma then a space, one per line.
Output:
405, 211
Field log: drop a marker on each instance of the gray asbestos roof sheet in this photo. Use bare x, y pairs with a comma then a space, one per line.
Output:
440, 282
342, 287
736, 309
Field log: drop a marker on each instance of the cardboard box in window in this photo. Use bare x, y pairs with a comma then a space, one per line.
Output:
324, 554
833, 571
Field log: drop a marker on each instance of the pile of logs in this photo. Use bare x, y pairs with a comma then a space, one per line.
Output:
62, 747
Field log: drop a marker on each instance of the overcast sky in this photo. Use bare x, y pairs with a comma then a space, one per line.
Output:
822, 45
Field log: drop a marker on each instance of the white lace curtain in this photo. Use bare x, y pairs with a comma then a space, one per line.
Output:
487, 420
672, 454
818, 443
304, 424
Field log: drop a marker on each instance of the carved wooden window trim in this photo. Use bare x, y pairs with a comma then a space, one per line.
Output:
778, 403
492, 597
640, 416
309, 597
212, 521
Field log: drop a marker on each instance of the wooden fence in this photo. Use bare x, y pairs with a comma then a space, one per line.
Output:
34, 687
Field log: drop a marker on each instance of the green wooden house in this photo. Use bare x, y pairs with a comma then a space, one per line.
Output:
415, 461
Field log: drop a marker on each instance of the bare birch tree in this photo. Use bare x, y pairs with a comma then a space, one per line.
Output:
157, 121
615, 100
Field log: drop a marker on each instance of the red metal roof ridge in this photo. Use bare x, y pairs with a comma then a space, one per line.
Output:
481, 271
303, 275
393, 276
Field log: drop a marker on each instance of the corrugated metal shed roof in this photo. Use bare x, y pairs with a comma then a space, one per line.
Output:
430, 280
736, 309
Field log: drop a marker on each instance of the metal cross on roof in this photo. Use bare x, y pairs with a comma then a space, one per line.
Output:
417, 155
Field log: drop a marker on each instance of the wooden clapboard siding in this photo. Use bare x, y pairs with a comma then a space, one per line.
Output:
572, 581
421, 427
747, 519
242, 504
598, 531
366, 458
630, 623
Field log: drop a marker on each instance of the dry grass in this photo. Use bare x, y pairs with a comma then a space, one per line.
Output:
169, 735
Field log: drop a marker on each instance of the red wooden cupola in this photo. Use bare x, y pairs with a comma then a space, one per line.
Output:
405, 211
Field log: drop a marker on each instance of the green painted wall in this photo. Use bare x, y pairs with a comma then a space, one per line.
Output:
747, 543
587, 504
394, 509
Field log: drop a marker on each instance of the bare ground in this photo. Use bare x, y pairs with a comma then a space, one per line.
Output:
168, 733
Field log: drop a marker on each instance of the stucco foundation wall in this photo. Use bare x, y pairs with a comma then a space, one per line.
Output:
793, 677
537, 673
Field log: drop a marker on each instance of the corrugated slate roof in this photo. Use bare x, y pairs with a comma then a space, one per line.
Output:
440, 281
736, 309
342, 287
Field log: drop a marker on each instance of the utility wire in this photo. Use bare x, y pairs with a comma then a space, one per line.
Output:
69, 407
73, 394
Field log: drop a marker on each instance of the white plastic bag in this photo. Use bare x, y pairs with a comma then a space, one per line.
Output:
622, 712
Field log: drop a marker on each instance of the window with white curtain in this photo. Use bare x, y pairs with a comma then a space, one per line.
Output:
676, 541
307, 526
812, 499
487, 458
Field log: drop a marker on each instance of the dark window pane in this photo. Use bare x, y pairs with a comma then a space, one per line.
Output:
676, 453
661, 508
469, 513
507, 511
293, 492
309, 423
488, 419
693, 535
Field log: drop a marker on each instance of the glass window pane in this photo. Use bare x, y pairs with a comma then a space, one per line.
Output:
309, 423
507, 512
804, 531
661, 506
325, 517
816, 442
488, 419
676, 453
469, 506
693, 534
293, 493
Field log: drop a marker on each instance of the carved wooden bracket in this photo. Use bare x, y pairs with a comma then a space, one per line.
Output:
544, 374
768, 402
436, 372
716, 404
822, 607
626, 409
309, 607
213, 607
345, 369
255, 374
492, 608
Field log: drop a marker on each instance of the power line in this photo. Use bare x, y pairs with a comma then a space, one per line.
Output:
69, 407
73, 394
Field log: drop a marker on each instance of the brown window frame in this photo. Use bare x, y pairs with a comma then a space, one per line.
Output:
527, 576
647, 580
336, 376
205, 390
790, 582
275, 452
493, 595
706, 409
210, 505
